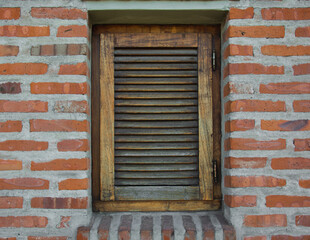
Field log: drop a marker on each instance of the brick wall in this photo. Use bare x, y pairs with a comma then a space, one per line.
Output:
266, 109
44, 119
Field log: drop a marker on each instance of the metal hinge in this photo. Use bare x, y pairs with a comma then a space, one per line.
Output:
213, 55
214, 166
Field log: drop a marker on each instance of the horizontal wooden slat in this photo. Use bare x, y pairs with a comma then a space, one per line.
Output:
156, 80
157, 193
155, 160
149, 153
157, 182
155, 205
175, 102
153, 73
156, 66
155, 88
156, 110
155, 124
155, 131
155, 40
145, 117
155, 52
156, 174
155, 59
156, 146
155, 95
156, 167
157, 138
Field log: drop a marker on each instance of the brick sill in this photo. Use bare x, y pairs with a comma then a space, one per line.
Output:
157, 225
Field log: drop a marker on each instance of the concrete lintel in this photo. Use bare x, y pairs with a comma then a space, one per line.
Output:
157, 12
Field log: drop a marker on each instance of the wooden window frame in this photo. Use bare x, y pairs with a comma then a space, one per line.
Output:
101, 138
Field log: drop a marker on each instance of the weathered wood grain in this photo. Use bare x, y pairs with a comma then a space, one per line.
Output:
107, 117
205, 116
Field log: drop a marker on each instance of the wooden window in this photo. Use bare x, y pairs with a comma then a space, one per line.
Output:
155, 118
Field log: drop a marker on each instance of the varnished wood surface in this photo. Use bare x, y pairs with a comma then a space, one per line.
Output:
107, 117
155, 40
149, 206
205, 116
213, 29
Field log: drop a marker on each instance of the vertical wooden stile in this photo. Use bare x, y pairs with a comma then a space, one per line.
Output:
205, 116
107, 117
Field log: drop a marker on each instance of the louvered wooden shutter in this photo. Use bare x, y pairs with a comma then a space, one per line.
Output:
156, 117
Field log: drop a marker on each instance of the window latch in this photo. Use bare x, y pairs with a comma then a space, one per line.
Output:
213, 60
214, 166
213, 55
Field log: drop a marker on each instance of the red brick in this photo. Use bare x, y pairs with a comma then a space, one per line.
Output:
285, 88
10, 88
240, 201
11, 202
83, 233
23, 145
23, 183
9, 165
23, 221
287, 237
124, 228
104, 227
274, 220
302, 32
59, 203
58, 88
73, 145
283, 125
73, 184
64, 222
290, 163
238, 88
61, 165
281, 201
286, 14
253, 144
23, 106
72, 31
47, 50
238, 50
254, 162
301, 105
71, 107
302, 220
252, 68
302, 144
248, 105
9, 13
8, 50
23, 68
24, 31
255, 32
255, 238
239, 125
61, 125
301, 69
253, 181
304, 183
73, 69
9, 238
46, 238
11, 126
283, 50
236, 13
58, 12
